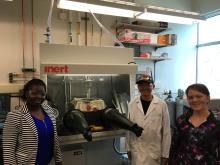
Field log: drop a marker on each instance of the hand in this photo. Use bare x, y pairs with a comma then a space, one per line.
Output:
164, 161
137, 130
129, 155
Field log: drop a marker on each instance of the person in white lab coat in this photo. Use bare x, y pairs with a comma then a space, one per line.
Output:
151, 113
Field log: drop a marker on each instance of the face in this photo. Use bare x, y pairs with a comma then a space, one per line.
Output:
36, 95
197, 100
145, 89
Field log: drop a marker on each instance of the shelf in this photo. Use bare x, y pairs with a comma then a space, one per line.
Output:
145, 43
149, 29
155, 59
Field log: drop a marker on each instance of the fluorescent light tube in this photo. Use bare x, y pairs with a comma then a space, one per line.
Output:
98, 9
166, 18
172, 16
114, 8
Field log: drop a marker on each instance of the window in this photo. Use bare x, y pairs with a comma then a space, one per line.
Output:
209, 55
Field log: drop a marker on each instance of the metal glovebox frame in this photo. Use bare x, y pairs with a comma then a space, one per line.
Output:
65, 69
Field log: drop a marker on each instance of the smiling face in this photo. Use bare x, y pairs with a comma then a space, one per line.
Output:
198, 101
36, 95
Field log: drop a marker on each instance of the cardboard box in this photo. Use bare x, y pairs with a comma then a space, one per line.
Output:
167, 39
126, 35
134, 36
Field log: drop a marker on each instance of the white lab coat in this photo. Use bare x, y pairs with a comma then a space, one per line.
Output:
155, 140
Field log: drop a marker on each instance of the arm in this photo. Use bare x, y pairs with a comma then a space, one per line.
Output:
57, 150
10, 134
164, 161
58, 155
166, 133
174, 145
218, 149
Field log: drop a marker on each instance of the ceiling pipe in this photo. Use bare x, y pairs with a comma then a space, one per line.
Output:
48, 29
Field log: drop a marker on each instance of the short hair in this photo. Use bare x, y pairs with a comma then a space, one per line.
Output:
30, 84
198, 87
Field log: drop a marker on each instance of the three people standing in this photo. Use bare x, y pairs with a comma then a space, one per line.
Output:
30, 136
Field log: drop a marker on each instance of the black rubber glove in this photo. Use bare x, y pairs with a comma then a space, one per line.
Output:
137, 130
88, 135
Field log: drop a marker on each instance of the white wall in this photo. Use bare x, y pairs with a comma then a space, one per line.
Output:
171, 74
180, 71
10, 39
11, 44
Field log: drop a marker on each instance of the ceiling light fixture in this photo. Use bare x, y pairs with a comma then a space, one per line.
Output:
132, 10
101, 7
170, 15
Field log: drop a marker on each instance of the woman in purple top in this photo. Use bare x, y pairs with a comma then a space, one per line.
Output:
196, 139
